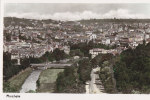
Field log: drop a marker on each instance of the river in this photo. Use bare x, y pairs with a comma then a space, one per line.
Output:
30, 82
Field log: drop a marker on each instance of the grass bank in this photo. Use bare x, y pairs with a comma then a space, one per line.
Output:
47, 80
18, 80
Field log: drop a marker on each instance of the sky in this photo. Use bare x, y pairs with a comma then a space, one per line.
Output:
76, 11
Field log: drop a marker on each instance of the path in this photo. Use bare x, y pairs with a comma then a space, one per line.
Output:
95, 85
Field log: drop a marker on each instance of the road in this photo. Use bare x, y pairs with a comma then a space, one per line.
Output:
95, 85
50, 65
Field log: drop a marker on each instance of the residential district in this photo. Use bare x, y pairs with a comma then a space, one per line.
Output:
24, 38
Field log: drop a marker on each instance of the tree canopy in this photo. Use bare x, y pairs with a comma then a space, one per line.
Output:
132, 71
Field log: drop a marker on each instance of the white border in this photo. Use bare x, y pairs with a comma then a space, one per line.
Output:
1, 44
77, 1
47, 96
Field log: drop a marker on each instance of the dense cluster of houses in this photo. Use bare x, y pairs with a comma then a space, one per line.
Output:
35, 37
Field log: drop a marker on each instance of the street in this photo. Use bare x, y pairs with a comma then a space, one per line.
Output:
95, 85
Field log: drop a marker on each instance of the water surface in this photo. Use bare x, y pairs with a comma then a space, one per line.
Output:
30, 82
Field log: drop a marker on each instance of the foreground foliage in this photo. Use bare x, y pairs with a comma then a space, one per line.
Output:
73, 79
14, 84
132, 71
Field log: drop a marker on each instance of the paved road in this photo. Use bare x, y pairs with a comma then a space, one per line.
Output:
49, 65
95, 85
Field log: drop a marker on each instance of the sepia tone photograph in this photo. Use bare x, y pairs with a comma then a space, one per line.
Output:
76, 48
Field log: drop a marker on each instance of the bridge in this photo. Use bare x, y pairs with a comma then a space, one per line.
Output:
50, 65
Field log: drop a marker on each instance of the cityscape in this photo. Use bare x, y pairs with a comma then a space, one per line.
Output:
88, 56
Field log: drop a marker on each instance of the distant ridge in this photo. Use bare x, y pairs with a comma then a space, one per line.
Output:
89, 20
117, 20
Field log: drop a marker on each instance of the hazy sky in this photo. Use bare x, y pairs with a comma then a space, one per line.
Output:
76, 11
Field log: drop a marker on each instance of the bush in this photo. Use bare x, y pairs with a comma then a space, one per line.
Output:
38, 83
31, 91
7, 88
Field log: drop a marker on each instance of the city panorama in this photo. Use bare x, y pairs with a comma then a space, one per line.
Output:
76, 48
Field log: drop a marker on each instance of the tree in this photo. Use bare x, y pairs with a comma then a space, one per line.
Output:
8, 37
132, 71
76, 52
25, 63
66, 81
59, 54
84, 70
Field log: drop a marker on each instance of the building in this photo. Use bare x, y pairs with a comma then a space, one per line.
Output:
92, 36
94, 52
15, 56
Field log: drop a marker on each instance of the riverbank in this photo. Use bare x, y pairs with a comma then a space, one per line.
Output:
17, 80
47, 80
